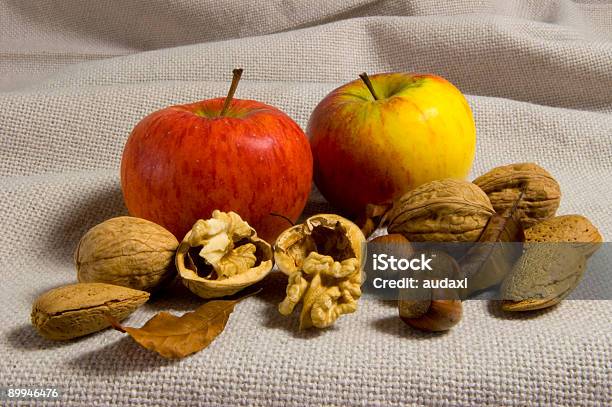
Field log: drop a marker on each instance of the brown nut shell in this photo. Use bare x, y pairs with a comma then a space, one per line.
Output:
447, 210
545, 274
80, 309
323, 259
567, 228
243, 259
503, 185
431, 315
393, 238
294, 244
126, 251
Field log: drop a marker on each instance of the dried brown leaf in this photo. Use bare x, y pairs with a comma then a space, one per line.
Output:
489, 260
176, 337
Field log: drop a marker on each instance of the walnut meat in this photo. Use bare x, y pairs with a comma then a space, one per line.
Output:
447, 210
541, 196
126, 251
222, 255
323, 259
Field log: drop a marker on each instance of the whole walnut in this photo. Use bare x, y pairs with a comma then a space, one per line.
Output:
541, 195
446, 210
126, 251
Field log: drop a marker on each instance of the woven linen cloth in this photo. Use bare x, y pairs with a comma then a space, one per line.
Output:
76, 76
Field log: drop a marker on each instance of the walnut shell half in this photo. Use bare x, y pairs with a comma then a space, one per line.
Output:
221, 256
323, 259
446, 210
294, 244
503, 185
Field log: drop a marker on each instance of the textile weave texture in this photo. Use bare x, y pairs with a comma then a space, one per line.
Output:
75, 77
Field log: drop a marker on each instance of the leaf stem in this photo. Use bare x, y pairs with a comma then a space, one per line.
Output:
284, 217
366, 79
114, 323
230, 94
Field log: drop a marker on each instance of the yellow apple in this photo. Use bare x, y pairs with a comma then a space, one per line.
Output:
376, 138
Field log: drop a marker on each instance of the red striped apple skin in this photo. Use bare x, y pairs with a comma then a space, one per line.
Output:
372, 151
182, 162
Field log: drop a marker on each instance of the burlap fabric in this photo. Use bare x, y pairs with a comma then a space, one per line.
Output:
76, 76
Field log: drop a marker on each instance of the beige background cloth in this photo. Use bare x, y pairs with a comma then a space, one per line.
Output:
76, 76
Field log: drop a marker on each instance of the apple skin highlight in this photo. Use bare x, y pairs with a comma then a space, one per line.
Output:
369, 151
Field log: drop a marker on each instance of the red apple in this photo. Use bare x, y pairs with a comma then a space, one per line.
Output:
372, 141
182, 162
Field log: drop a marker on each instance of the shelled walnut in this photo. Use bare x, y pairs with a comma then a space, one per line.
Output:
222, 255
322, 258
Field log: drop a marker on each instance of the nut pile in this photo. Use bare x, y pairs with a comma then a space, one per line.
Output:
458, 211
122, 260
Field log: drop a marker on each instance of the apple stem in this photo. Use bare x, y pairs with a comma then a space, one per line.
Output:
230, 94
366, 79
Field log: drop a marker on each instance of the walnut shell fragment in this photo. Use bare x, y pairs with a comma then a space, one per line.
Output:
80, 309
221, 256
567, 228
323, 259
542, 193
446, 210
126, 251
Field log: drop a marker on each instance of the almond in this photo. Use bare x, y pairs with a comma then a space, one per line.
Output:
80, 309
